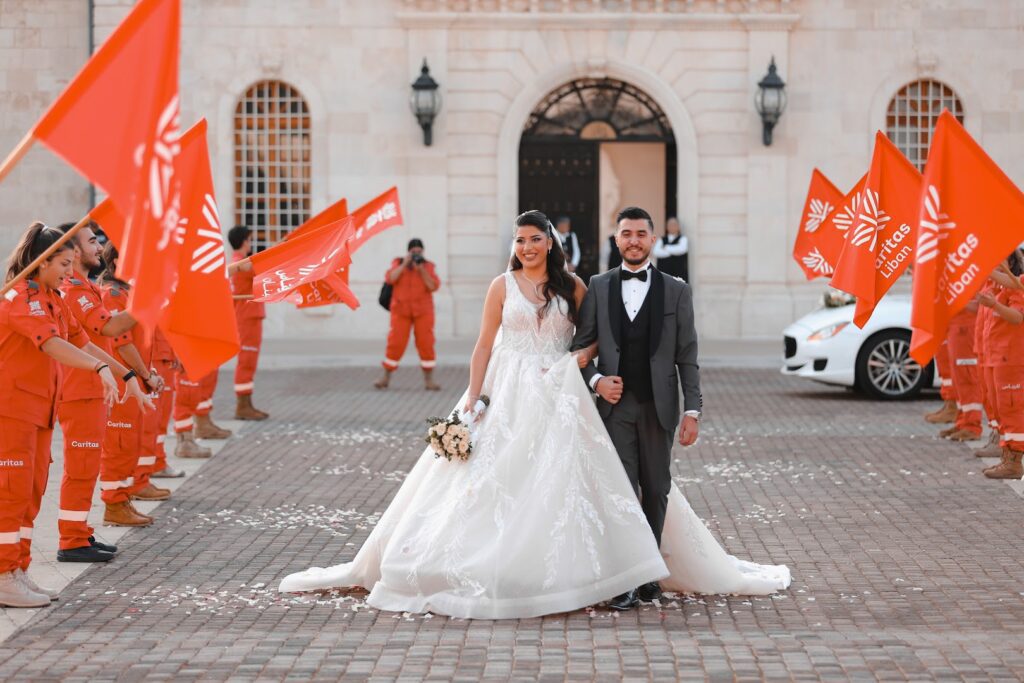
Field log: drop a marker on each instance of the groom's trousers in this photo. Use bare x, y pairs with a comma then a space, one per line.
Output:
645, 449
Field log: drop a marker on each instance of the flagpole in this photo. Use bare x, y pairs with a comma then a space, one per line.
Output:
242, 297
15, 156
45, 255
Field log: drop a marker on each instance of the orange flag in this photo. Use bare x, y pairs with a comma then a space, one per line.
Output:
315, 257
117, 124
199, 318
334, 212
199, 321
374, 217
971, 218
879, 244
817, 236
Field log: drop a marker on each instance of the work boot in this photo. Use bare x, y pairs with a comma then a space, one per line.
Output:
206, 429
168, 473
244, 410
123, 514
188, 447
35, 587
14, 593
944, 415
428, 381
964, 435
151, 493
88, 553
151, 518
992, 449
1009, 468
384, 381
949, 431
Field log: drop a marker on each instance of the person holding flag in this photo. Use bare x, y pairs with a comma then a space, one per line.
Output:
122, 442
967, 385
982, 334
947, 413
154, 423
249, 317
1006, 346
37, 335
81, 411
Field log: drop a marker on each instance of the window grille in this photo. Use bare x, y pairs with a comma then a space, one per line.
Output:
272, 161
912, 115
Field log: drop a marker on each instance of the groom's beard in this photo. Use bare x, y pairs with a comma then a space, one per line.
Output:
637, 262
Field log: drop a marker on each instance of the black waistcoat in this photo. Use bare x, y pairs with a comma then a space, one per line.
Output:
673, 265
635, 357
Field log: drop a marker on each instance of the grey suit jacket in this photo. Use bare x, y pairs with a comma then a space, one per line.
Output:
673, 340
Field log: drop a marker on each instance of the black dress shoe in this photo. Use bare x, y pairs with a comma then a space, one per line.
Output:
85, 554
102, 546
624, 601
649, 592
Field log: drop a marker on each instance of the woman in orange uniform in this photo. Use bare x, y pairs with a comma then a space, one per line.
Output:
122, 442
1007, 351
37, 335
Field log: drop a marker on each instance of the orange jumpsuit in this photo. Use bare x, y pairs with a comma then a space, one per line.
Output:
191, 399
966, 375
123, 439
83, 419
154, 422
30, 384
946, 390
982, 334
1006, 347
249, 317
412, 309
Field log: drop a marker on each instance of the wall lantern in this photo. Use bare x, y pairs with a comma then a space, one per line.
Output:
425, 102
770, 101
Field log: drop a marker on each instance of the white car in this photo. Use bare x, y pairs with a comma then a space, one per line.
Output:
826, 346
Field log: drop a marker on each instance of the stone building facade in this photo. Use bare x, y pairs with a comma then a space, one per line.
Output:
340, 71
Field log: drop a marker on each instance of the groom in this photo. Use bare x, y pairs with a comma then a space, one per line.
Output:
642, 320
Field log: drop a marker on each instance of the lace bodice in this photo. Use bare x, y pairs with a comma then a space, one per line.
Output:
523, 331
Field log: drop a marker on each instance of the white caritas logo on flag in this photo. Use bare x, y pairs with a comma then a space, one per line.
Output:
816, 262
164, 199
935, 227
871, 221
819, 211
846, 215
209, 256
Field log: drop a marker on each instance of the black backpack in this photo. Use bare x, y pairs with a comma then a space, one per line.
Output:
384, 298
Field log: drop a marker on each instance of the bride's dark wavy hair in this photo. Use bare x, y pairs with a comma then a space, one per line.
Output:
561, 282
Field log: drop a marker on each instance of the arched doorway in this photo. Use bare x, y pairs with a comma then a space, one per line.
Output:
590, 147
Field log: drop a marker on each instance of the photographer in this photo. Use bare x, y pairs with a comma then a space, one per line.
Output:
414, 280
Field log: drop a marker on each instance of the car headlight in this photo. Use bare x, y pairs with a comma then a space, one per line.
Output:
828, 332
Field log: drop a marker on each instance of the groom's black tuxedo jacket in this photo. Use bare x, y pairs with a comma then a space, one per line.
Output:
672, 340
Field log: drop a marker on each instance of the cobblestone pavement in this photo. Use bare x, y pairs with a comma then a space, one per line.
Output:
907, 563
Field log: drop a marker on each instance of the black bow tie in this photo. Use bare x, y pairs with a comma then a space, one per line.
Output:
629, 275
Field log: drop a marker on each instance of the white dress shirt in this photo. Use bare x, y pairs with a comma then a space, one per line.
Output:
634, 292
567, 239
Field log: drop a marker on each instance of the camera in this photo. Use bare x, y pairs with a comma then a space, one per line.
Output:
418, 259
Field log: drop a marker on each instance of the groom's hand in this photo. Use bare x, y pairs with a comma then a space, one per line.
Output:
610, 388
688, 430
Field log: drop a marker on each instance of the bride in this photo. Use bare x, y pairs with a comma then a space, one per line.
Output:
541, 518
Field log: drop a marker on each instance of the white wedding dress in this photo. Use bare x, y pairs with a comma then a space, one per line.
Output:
541, 518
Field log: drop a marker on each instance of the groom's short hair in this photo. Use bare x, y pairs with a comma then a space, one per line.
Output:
634, 213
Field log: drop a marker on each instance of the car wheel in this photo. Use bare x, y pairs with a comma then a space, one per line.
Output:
885, 369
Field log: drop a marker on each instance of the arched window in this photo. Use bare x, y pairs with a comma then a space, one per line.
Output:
912, 114
272, 161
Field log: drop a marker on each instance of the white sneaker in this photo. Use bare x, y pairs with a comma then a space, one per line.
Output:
35, 587
14, 593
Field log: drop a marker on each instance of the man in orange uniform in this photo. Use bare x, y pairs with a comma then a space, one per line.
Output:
249, 317
82, 412
966, 381
123, 438
193, 402
982, 335
1007, 350
414, 280
155, 425
947, 413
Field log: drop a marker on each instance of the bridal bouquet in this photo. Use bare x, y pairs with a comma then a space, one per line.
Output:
451, 437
